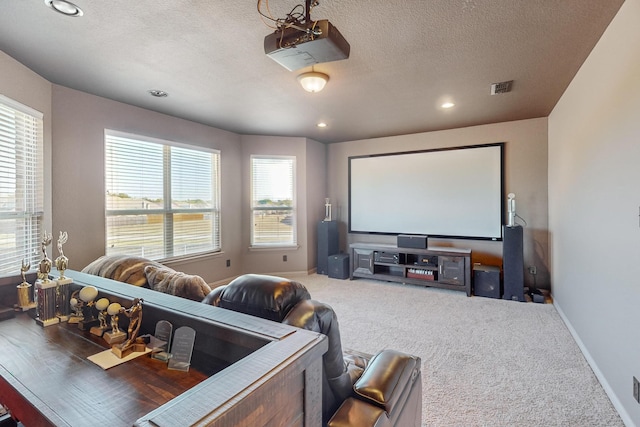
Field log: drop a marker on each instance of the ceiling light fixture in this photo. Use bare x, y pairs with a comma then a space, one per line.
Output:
313, 81
64, 7
322, 125
158, 93
448, 105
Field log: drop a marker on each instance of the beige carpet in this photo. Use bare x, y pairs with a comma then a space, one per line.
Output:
485, 362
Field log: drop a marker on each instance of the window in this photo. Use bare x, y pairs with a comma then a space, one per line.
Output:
162, 198
272, 201
21, 185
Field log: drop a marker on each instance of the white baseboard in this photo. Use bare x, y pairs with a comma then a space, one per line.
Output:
596, 370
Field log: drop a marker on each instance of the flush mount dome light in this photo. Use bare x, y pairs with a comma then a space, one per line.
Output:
313, 81
64, 7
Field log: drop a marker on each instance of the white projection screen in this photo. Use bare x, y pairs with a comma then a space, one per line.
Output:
447, 193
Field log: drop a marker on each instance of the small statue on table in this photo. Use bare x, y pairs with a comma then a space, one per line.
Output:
44, 268
115, 335
62, 261
134, 313
87, 295
24, 289
45, 289
101, 305
63, 283
76, 305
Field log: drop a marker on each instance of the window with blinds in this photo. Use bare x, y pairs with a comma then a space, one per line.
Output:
21, 185
273, 201
162, 198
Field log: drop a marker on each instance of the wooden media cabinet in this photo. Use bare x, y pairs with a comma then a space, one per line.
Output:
448, 268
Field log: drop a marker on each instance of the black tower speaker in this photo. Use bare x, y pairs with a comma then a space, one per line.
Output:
486, 281
513, 263
327, 244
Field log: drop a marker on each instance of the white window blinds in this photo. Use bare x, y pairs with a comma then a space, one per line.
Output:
162, 199
21, 185
272, 201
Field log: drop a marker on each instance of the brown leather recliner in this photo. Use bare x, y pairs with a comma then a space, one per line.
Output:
358, 389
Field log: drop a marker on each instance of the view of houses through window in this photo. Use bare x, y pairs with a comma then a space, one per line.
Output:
273, 201
162, 198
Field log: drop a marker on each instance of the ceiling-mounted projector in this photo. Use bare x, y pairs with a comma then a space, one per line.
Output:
296, 48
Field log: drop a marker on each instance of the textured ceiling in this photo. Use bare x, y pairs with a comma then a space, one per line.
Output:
406, 58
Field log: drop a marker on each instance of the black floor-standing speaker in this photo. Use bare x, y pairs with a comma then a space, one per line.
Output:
327, 244
513, 263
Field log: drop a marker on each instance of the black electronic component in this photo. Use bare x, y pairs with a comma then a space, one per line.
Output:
327, 244
513, 263
412, 241
294, 48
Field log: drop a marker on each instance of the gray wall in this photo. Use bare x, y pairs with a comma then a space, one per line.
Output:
74, 124
525, 175
23, 85
594, 174
79, 121
310, 180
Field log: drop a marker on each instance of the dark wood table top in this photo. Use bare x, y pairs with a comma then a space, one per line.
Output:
50, 366
240, 365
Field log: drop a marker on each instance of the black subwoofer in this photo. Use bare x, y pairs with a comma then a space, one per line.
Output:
339, 266
486, 281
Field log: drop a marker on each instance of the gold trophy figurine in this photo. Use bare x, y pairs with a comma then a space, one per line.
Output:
101, 305
63, 283
76, 304
24, 289
115, 335
44, 268
45, 288
62, 261
132, 344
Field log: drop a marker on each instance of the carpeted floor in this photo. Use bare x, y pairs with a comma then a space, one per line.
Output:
485, 362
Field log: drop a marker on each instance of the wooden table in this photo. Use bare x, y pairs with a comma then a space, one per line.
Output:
245, 371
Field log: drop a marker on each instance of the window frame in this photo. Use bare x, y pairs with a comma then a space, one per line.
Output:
167, 211
292, 209
28, 151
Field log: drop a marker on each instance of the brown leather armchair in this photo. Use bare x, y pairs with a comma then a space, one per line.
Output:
358, 389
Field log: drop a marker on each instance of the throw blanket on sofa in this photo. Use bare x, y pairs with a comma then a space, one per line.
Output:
140, 271
164, 279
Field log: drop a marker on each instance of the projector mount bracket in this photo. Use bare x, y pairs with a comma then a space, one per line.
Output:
296, 20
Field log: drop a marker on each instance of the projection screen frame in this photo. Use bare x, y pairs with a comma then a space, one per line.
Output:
497, 215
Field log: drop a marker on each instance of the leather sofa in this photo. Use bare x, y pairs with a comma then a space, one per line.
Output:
358, 389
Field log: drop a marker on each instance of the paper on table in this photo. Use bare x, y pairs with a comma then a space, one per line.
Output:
106, 359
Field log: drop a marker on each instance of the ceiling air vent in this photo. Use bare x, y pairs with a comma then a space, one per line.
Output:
502, 87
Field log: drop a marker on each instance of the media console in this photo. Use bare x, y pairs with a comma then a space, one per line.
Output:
448, 268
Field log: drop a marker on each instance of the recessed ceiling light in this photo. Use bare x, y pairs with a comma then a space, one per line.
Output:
448, 105
64, 7
158, 93
322, 125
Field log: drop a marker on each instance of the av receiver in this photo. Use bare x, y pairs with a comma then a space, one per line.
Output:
388, 257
